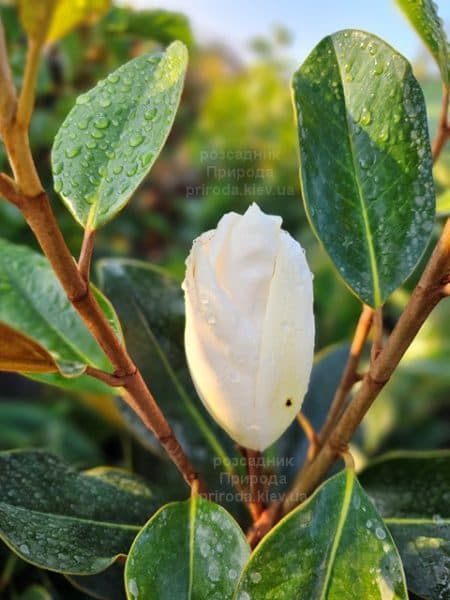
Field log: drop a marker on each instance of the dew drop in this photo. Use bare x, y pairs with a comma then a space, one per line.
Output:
380, 533
72, 152
132, 171
136, 140
146, 159
113, 78
366, 117
149, 115
117, 170
101, 123
57, 168
58, 186
105, 102
83, 124
83, 99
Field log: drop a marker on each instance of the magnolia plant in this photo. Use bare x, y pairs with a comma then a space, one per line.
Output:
367, 187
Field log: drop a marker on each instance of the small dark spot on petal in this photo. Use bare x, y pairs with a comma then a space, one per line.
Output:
289, 402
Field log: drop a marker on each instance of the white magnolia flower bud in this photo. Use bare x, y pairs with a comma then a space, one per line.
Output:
249, 325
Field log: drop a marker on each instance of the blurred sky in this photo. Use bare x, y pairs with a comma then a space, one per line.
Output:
234, 22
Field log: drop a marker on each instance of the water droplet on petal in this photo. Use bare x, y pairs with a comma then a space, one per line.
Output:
136, 140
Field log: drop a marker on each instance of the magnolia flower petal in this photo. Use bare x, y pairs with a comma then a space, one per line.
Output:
287, 346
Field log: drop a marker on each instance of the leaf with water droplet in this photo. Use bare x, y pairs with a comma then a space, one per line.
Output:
132, 127
412, 493
362, 168
60, 519
424, 18
34, 305
205, 543
323, 549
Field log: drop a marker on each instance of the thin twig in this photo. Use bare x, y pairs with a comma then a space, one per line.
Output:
310, 434
377, 343
254, 461
87, 249
443, 132
350, 374
8, 99
109, 378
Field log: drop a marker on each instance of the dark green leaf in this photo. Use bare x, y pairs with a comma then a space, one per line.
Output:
334, 546
151, 307
33, 302
365, 160
107, 585
35, 592
412, 492
191, 549
25, 424
114, 133
423, 16
59, 519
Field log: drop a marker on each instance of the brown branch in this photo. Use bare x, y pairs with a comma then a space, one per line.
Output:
310, 434
8, 99
350, 375
443, 132
426, 295
254, 470
377, 343
109, 378
87, 249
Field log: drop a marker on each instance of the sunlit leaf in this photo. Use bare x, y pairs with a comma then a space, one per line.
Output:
33, 303
334, 546
191, 549
20, 353
423, 16
115, 132
365, 160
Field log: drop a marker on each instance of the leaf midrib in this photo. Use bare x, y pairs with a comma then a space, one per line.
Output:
84, 520
349, 486
358, 186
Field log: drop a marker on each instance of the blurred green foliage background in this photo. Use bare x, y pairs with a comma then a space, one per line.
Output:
235, 118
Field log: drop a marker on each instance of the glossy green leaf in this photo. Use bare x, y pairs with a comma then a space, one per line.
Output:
191, 549
365, 160
33, 302
423, 16
334, 546
150, 304
412, 492
114, 133
59, 519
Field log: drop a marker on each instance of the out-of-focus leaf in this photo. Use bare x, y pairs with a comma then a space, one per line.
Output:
20, 353
59, 519
443, 204
114, 133
35, 16
53, 427
33, 303
191, 549
160, 25
423, 16
35, 592
107, 585
59, 16
69, 14
335, 546
412, 492
365, 170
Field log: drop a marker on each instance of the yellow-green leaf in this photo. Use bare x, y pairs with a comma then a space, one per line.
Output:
72, 13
